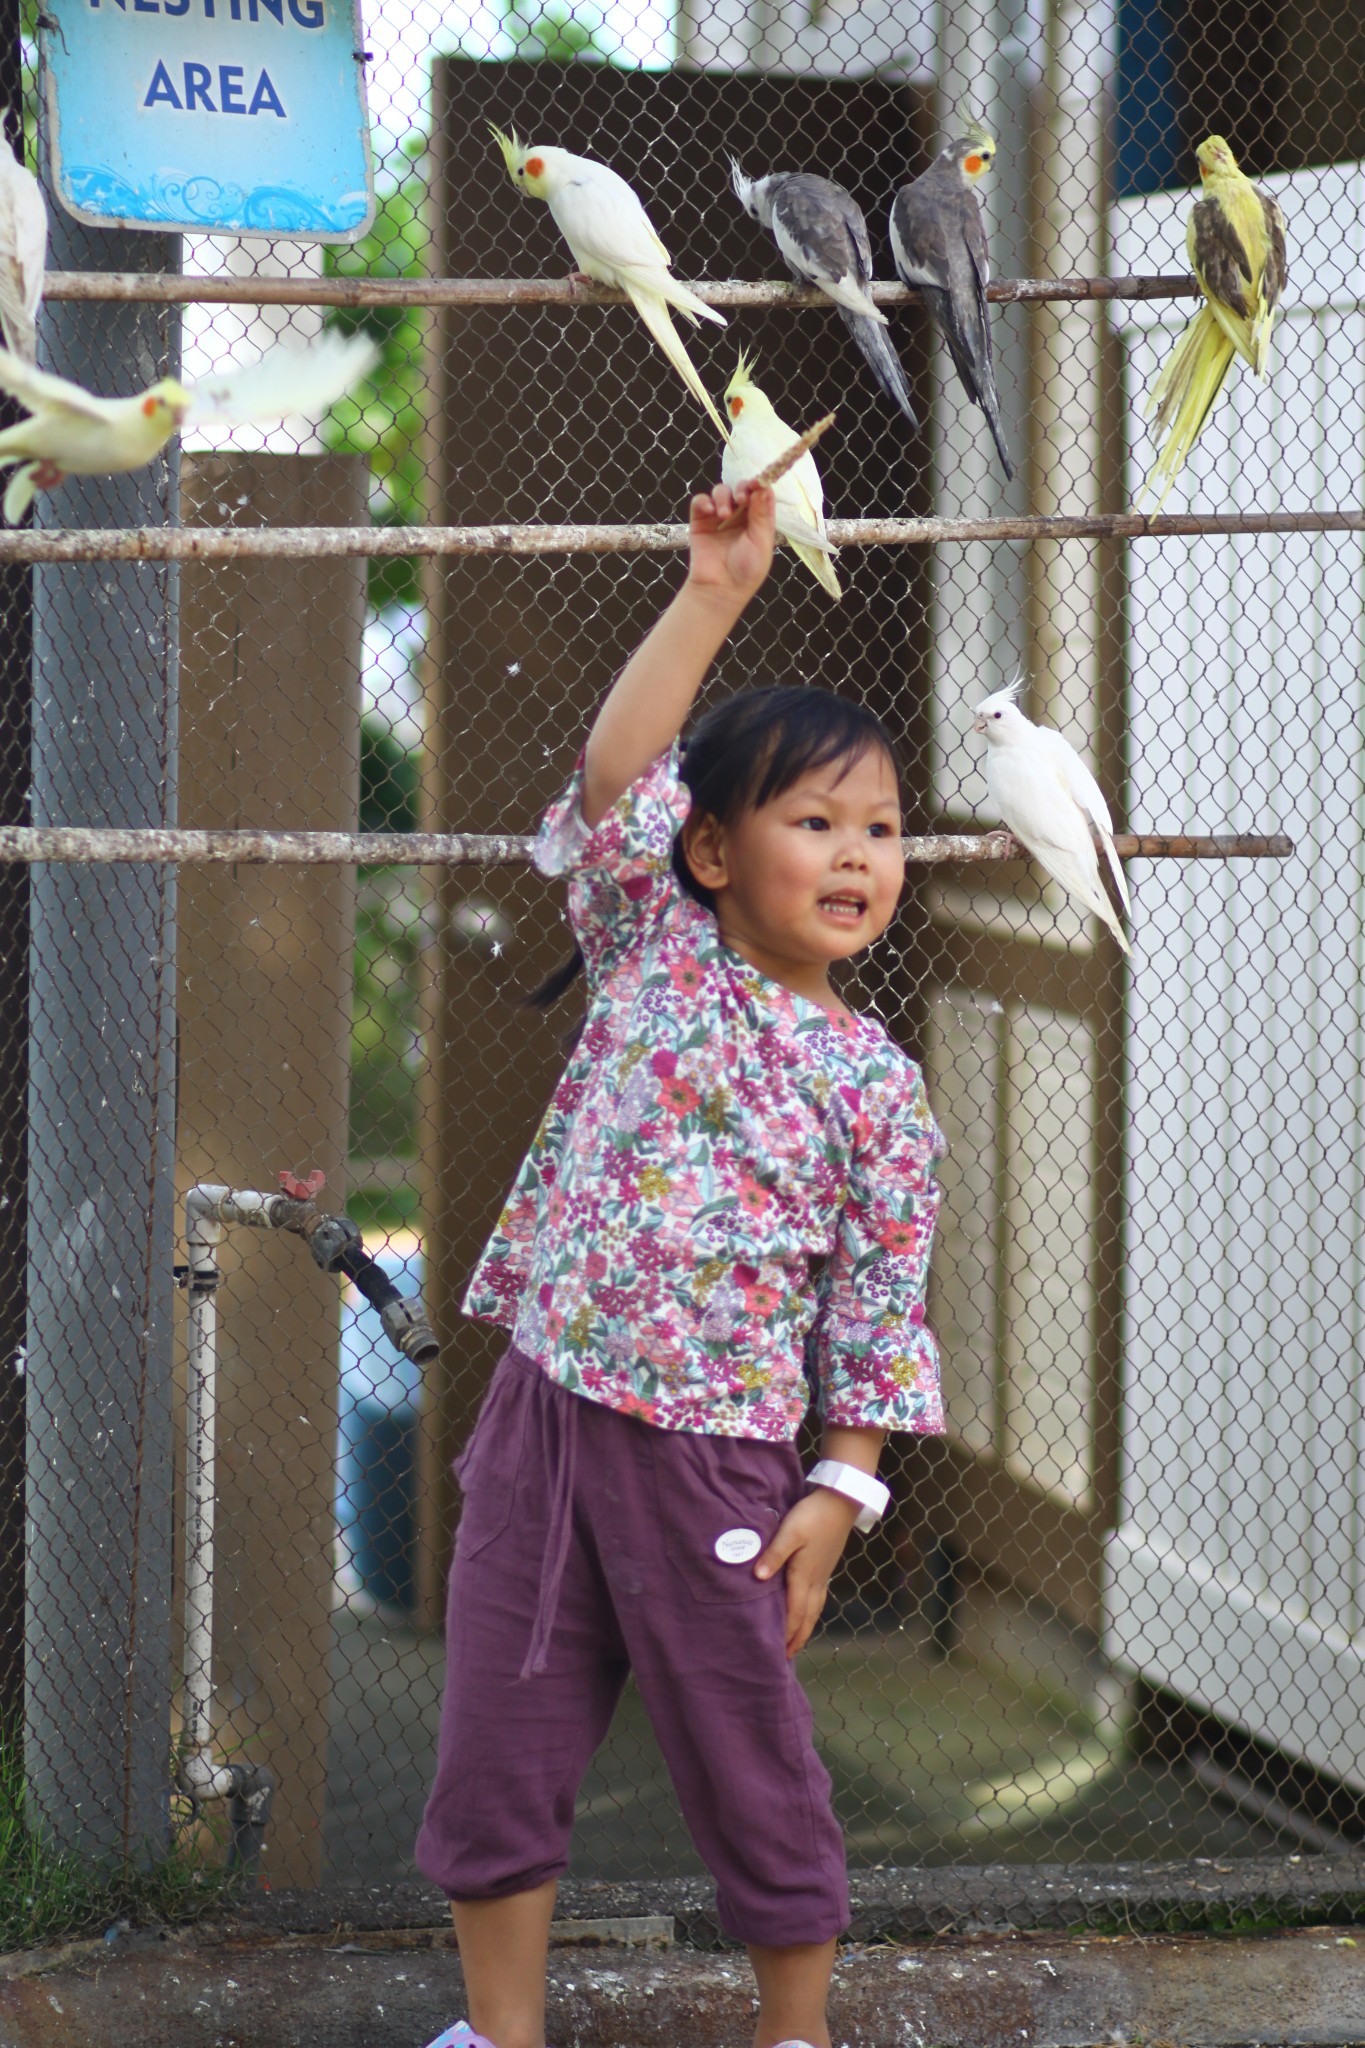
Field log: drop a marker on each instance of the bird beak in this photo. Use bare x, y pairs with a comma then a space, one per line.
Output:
978, 725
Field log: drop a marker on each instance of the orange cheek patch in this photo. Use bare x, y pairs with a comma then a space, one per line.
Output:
736, 407
535, 167
148, 406
972, 164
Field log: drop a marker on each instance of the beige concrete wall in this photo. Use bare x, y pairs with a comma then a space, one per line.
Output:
270, 736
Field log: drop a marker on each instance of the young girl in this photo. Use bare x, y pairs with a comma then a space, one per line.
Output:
632, 1499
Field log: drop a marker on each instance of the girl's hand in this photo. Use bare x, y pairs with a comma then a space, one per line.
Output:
733, 563
809, 1542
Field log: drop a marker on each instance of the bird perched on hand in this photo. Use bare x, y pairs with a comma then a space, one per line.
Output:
757, 437
1047, 797
71, 432
1235, 239
821, 236
939, 244
614, 242
23, 254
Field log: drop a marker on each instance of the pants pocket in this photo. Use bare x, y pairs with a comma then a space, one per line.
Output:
721, 1502
490, 1464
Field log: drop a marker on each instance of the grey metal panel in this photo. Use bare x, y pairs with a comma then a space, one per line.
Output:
101, 1105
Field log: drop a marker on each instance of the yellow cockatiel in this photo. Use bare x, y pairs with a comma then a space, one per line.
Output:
1235, 240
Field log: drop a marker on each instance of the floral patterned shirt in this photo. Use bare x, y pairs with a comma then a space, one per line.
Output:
731, 1187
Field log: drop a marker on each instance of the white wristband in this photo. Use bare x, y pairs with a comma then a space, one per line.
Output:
871, 1495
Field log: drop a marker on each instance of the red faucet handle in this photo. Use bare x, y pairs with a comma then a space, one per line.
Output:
303, 1190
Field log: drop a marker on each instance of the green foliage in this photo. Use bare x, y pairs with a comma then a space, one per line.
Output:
388, 779
549, 34
48, 1894
384, 419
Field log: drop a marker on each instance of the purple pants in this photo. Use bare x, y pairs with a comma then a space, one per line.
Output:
587, 1550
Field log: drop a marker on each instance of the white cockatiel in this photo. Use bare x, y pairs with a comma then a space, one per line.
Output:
613, 241
70, 432
758, 437
822, 238
1047, 797
23, 254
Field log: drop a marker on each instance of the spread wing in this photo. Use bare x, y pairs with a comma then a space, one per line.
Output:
286, 380
40, 391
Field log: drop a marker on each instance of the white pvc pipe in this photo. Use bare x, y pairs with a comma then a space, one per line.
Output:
207, 1209
203, 1233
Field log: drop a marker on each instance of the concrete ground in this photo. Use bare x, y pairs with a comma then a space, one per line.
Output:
1010, 1750
240, 1987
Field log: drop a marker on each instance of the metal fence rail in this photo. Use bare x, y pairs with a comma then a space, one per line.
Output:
379, 543
146, 288
92, 845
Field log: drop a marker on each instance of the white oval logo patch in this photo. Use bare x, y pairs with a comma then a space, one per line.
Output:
738, 1546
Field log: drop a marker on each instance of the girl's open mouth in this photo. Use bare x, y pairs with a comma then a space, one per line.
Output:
848, 909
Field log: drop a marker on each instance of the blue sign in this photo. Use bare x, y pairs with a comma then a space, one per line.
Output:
240, 116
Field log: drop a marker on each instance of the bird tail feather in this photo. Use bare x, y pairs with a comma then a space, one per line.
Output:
977, 378
1184, 395
821, 568
990, 405
1086, 888
685, 300
885, 365
1115, 865
659, 321
19, 493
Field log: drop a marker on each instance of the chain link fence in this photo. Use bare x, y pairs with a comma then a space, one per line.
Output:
1116, 1617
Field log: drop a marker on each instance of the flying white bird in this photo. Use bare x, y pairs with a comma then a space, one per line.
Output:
757, 436
1045, 794
821, 236
23, 254
70, 432
613, 242
938, 243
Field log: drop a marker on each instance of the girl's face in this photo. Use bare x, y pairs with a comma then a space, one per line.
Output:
811, 877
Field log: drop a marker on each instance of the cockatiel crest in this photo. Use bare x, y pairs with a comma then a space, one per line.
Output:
741, 386
973, 154
993, 710
535, 170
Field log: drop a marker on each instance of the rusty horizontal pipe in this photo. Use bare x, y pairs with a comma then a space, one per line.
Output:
322, 543
455, 292
91, 845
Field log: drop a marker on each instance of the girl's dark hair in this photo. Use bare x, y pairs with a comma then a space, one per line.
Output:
744, 752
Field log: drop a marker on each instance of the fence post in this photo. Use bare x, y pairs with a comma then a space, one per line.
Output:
16, 662
101, 1110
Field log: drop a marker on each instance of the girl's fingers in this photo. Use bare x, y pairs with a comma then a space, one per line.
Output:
776, 1554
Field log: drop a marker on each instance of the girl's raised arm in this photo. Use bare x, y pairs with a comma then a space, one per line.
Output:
644, 710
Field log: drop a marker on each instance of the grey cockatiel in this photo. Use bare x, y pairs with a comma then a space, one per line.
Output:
939, 244
1043, 791
822, 238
